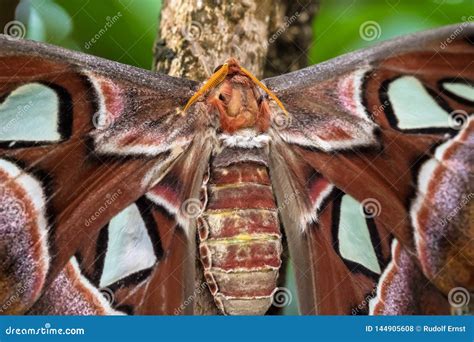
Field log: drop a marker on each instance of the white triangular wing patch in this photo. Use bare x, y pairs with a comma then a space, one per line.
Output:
129, 248
354, 237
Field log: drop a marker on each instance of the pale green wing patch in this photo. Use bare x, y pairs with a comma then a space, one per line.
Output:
414, 107
30, 113
354, 237
129, 248
462, 90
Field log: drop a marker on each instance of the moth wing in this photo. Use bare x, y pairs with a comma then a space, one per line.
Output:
143, 261
81, 139
391, 129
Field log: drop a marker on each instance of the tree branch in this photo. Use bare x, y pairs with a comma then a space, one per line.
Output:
291, 38
197, 36
7, 13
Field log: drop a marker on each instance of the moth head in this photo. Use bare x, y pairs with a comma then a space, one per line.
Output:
239, 104
233, 92
234, 66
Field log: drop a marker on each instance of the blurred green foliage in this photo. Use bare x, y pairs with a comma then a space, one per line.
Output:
338, 23
126, 29
121, 30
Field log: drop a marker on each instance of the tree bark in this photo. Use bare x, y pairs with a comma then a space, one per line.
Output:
292, 38
7, 13
197, 36
267, 37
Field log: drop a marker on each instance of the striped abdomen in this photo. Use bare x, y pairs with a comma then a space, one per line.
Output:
240, 240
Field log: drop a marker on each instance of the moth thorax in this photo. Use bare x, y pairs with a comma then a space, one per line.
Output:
239, 105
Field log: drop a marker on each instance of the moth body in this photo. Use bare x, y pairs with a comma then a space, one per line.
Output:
239, 231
